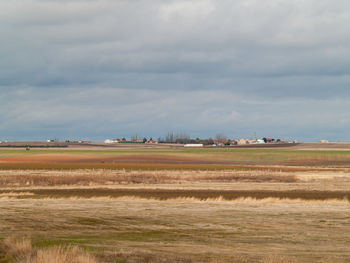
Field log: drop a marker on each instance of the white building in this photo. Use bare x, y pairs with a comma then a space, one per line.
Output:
193, 145
109, 141
260, 141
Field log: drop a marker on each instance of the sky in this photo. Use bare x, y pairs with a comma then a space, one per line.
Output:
97, 69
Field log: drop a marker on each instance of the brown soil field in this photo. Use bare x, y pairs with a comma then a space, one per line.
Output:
156, 161
155, 166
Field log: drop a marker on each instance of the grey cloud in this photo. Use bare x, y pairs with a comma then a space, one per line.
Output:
206, 65
226, 37
97, 113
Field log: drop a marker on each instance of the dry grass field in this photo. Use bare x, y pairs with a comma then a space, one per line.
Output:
175, 205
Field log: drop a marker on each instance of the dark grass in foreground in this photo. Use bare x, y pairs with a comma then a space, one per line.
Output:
165, 194
157, 166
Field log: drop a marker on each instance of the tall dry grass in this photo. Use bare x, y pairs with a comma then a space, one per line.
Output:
22, 251
120, 177
277, 259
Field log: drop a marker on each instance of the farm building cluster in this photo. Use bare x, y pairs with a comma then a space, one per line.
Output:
221, 141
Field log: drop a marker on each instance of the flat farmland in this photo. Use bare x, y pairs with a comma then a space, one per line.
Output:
177, 205
173, 158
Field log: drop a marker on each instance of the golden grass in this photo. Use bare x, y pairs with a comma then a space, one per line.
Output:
10, 178
221, 199
15, 194
179, 213
19, 250
278, 259
185, 231
22, 251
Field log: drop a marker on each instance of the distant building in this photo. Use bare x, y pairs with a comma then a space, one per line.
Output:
151, 141
260, 141
83, 141
256, 141
242, 141
108, 141
196, 145
324, 141
233, 142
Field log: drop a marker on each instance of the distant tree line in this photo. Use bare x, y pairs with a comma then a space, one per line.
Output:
183, 138
172, 137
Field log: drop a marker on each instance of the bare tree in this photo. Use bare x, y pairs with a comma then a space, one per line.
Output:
182, 137
220, 138
170, 137
134, 138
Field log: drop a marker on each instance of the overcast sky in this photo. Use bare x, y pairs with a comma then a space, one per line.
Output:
97, 69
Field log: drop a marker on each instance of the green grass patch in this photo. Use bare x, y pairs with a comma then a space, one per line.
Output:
48, 243
143, 236
90, 221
